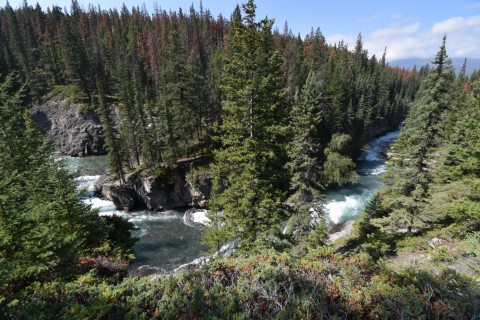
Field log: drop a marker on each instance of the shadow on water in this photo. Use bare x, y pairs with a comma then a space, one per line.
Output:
165, 241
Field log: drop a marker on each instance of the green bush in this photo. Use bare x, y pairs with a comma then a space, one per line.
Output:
316, 284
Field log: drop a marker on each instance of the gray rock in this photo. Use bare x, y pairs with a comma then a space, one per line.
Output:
73, 133
123, 197
158, 198
200, 190
434, 242
346, 229
146, 192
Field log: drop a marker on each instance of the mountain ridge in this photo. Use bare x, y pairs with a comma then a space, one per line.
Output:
408, 63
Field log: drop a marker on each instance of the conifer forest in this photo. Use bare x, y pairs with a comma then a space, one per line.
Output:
272, 121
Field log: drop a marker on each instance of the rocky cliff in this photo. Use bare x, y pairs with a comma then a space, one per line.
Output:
180, 189
73, 131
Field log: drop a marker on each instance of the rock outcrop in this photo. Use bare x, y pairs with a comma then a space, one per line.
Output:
73, 132
345, 230
154, 194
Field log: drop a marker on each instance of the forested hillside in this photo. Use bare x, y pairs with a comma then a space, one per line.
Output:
279, 119
429, 211
161, 75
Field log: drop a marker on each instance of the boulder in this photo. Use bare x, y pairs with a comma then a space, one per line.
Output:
123, 197
158, 197
435, 242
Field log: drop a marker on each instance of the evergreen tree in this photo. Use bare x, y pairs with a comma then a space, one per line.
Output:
424, 129
338, 168
304, 164
305, 147
44, 229
248, 195
115, 152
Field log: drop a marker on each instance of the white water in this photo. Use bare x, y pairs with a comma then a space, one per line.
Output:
166, 240
346, 203
196, 216
171, 239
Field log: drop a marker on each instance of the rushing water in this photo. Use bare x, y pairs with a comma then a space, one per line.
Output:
167, 240
347, 203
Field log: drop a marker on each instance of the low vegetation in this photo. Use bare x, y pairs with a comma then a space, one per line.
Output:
281, 135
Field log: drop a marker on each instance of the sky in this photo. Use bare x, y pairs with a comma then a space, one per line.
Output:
407, 28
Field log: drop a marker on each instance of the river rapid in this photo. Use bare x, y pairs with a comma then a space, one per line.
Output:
165, 240
168, 240
346, 203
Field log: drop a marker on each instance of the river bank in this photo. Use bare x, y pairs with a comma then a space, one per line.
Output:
170, 239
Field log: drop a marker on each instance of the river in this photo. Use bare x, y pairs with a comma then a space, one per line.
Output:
346, 203
167, 241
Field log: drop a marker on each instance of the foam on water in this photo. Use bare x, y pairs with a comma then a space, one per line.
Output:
87, 184
348, 202
105, 207
86, 179
378, 170
201, 217
338, 209
147, 216
196, 216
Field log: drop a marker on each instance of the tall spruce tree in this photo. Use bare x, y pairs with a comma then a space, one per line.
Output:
249, 179
304, 165
423, 130
44, 229
115, 152
305, 148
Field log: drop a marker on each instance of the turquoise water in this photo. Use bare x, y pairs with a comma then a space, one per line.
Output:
167, 241
347, 203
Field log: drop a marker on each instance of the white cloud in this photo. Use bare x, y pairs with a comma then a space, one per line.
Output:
411, 40
396, 30
455, 24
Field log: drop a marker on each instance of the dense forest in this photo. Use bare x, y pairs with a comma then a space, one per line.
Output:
161, 75
279, 118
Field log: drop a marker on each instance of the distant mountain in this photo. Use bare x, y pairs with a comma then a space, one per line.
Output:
472, 63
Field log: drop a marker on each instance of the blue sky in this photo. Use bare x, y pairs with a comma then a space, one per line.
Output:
408, 28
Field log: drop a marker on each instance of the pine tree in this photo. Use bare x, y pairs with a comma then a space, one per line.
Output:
44, 229
338, 168
424, 129
248, 195
305, 148
305, 167
115, 152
